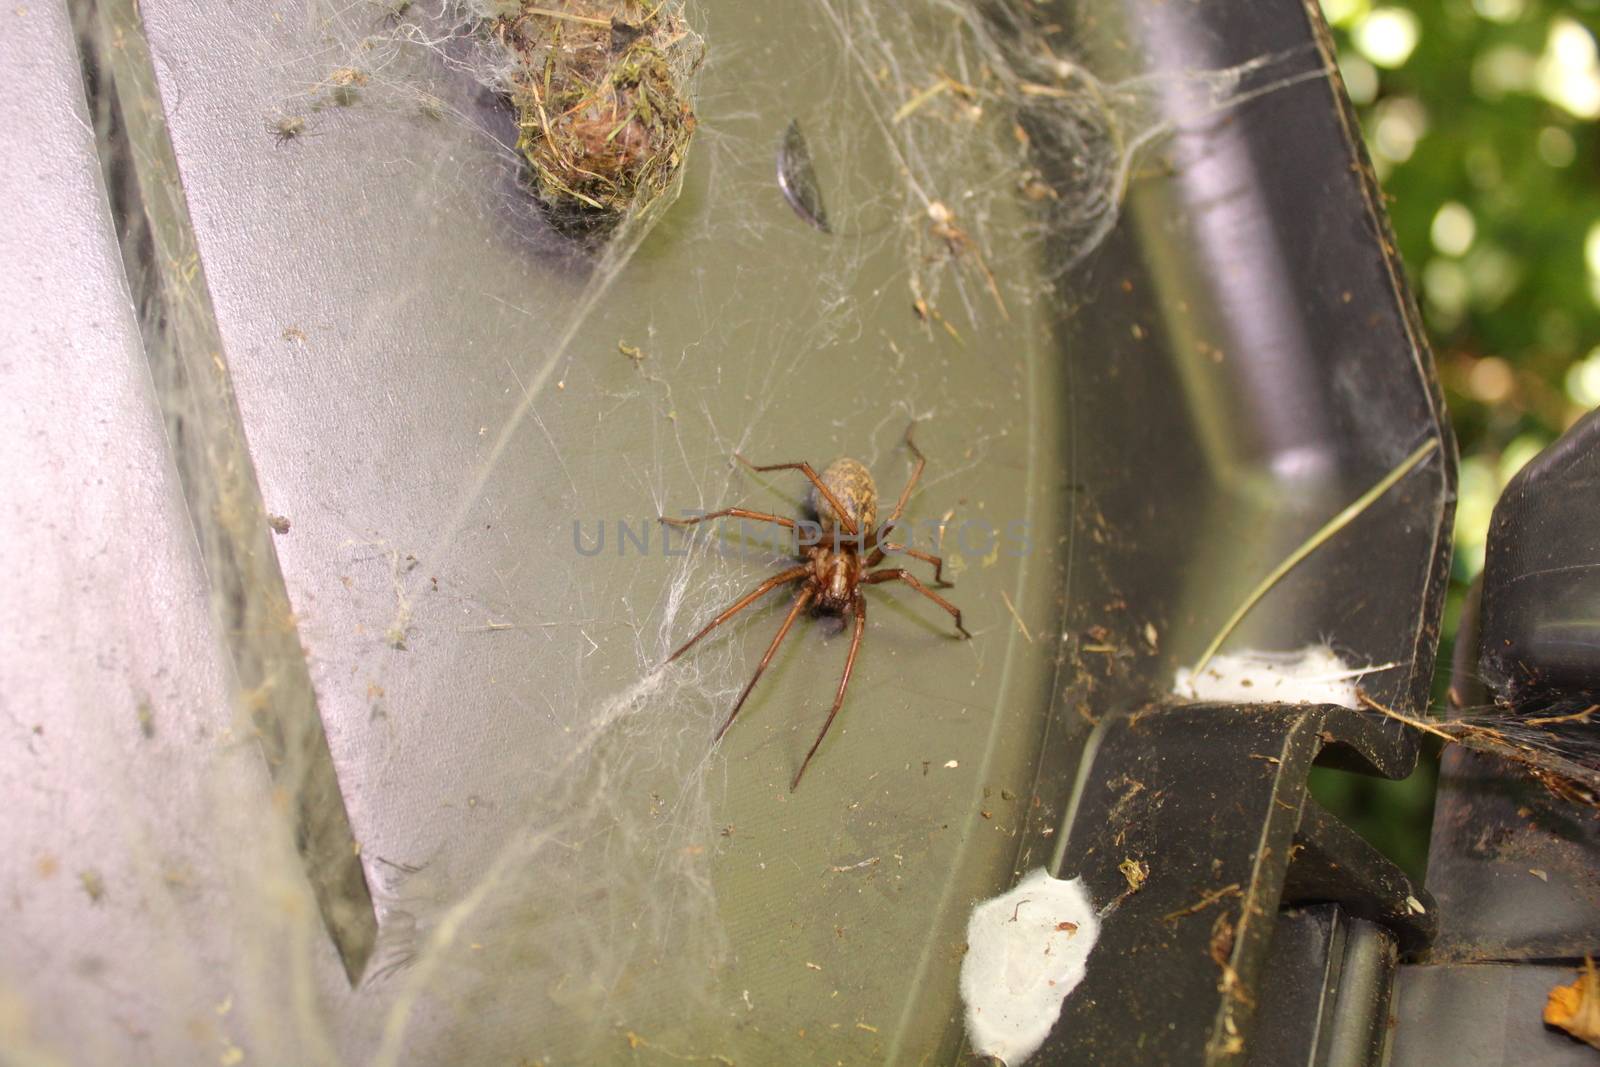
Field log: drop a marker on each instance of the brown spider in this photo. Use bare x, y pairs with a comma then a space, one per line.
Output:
845, 501
286, 128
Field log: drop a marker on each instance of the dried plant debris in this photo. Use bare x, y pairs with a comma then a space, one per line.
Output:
1552, 742
797, 178
600, 89
1575, 1008
1137, 872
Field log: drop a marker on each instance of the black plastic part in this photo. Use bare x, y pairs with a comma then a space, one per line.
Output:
1325, 991
1516, 869
1541, 578
1333, 863
1255, 367
1267, 361
1194, 867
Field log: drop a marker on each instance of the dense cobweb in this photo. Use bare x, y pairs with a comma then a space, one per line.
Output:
945, 164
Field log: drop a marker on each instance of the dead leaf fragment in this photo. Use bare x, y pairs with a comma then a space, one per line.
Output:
1221, 943
93, 884
1575, 1008
1135, 871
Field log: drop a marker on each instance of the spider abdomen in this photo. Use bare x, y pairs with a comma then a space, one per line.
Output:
851, 484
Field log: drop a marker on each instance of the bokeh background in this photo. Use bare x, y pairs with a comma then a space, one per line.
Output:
1479, 116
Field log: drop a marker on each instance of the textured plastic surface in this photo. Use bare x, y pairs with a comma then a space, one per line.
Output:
1480, 1015
1541, 574
114, 687
1517, 869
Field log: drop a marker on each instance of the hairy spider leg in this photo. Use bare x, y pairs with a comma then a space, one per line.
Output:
899, 575
905, 494
783, 631
781, 578
806, 469
859, 604
880, 547
739, 513
890, 546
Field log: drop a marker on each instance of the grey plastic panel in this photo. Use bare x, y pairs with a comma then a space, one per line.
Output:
433, 394
1480, 1015
116, 722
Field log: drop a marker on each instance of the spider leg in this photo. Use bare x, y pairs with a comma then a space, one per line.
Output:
860, 606
806, 469
783, 631
889, 546
781, 578
905, 494
898, 575
740, 513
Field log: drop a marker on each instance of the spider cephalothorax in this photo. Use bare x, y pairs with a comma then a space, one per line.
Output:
843, 548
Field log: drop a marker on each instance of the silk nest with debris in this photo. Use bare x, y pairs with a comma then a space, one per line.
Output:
600, 89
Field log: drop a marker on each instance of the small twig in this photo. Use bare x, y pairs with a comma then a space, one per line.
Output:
943, 85
1013, 609
1035, 89
1557, 720
1316, 541
566, 17
1203, 903
638, 1041
994, 287
1576, 781
1419, 724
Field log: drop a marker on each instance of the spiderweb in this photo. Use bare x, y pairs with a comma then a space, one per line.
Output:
454, 405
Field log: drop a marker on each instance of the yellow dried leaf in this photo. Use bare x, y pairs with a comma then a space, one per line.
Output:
1575, 1008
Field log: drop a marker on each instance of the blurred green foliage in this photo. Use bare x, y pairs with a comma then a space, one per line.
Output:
1480, 117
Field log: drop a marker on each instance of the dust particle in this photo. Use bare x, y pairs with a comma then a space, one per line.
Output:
93, 884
